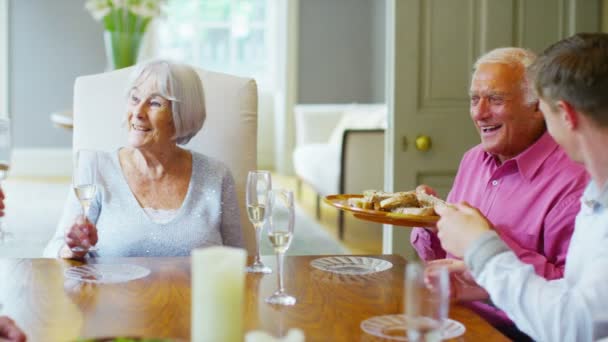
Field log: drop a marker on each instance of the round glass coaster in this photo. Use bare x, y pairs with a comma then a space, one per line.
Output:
394, 327
351, 265
106, 273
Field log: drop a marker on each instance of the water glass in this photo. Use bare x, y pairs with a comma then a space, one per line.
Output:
427, 301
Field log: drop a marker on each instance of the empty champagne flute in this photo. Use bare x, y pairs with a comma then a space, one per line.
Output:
84, 183
5, 162
281, 219
427, 301
258, 185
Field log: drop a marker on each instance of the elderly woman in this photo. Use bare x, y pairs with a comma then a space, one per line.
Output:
154, 197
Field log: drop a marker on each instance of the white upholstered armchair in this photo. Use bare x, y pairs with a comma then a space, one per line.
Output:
229, 133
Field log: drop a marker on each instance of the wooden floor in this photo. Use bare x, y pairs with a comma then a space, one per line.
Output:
359, 236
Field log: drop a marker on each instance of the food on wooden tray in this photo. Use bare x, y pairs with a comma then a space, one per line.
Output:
405, 202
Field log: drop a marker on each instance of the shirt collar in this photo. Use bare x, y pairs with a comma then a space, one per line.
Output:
530, 160
594, 196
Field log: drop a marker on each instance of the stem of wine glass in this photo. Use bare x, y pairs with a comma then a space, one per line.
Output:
258, 241
280, 260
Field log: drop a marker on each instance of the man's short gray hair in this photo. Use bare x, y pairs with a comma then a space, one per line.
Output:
180, 84
516, 57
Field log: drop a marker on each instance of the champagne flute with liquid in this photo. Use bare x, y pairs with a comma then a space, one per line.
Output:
258, 185
281, 220
5, 162
84, 183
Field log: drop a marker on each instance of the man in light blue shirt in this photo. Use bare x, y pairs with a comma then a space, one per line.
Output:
571, 79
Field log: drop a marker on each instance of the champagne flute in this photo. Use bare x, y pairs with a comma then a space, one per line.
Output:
258, 185
280, 231
84, 183
5, 162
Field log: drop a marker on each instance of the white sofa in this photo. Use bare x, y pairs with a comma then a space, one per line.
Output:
340, 149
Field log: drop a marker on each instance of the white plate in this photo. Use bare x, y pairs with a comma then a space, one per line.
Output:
393, 327
106, 273
351, 265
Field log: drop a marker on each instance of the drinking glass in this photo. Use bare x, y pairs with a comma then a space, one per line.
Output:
5, 162
280, 232
84, 183
258, 185
427, 301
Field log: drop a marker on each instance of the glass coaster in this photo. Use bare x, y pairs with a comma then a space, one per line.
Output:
394, 327
351, 265
106, 273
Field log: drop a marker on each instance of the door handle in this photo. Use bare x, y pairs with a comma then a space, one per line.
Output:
423, 143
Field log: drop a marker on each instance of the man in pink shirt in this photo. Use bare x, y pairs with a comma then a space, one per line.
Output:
518, 176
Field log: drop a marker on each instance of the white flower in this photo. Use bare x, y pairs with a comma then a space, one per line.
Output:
142, 10
118, 3
146, 8
98, 8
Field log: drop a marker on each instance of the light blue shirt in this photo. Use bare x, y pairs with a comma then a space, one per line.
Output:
574, 308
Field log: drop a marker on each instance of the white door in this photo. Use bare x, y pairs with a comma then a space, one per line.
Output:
431, 47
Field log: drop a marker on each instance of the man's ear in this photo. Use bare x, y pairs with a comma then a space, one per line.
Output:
568, 113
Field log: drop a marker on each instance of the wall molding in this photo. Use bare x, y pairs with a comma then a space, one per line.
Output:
41, 162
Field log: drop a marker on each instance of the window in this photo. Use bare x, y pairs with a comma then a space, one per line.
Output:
232, 36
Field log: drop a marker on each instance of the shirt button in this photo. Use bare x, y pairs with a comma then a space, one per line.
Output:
495, 182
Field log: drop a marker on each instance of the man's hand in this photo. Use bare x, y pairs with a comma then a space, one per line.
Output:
460, 225
463, 287
426, 189
9, 331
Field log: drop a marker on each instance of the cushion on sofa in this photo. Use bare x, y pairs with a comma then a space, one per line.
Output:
363, 117
319, 166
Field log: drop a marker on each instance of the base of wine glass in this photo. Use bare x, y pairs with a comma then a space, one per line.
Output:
258, 268
279, 298
80, 249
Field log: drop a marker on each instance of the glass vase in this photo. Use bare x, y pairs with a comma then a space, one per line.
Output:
122, 48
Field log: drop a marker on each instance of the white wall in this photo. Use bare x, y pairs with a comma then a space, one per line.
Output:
339, 52
51, 42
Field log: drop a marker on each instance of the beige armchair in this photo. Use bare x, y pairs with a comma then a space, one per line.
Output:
229, 133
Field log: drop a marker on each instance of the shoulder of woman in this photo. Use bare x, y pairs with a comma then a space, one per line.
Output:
209, 164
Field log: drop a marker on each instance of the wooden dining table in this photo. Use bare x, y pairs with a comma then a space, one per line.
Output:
330, 307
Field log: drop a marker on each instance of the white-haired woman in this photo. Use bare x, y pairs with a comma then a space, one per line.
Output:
156, 198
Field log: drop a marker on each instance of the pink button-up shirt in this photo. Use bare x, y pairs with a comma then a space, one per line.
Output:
531, 200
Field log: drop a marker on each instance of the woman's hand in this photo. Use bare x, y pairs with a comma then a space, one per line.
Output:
463, 287
9, 331
80, 236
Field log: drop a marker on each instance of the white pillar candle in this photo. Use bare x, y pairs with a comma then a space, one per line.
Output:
218, 281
